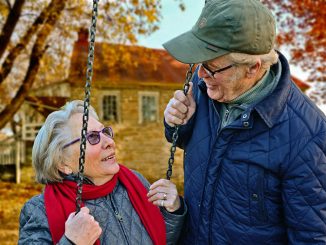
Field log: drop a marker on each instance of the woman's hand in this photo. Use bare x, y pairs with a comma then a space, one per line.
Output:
81, 228
164, 193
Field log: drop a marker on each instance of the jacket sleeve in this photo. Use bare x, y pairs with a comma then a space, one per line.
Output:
173, 222
33, 224
184, 133
304, 193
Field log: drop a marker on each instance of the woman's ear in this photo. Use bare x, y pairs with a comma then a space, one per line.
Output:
65, 168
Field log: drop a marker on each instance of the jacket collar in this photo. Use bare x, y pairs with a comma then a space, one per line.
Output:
273, 105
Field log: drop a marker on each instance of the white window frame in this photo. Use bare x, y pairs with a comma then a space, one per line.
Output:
100, 103
141, 94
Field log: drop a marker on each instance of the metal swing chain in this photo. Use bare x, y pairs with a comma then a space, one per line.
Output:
89, 73
176, 128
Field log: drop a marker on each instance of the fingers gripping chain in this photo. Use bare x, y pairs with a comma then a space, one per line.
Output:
176, 128
188, 79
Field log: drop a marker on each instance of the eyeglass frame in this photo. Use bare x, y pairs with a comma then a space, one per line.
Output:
212, 73
89, 133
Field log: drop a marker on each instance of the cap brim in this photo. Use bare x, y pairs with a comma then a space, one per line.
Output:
189, 49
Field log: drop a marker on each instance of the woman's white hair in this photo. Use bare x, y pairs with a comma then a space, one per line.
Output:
48, 150
267, 60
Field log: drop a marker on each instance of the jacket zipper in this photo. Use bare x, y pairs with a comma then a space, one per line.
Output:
119, 218
213, 205
218, 115
219, 171
227, 113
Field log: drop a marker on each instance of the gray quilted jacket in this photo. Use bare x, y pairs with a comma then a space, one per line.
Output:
118, 219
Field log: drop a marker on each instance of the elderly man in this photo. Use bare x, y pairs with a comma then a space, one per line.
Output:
254, 145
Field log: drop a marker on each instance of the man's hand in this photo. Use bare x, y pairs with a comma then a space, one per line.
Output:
180, 108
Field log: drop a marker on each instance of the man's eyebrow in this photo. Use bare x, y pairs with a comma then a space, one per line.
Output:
212, 66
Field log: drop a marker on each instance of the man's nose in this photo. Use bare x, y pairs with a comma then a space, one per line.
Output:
202, 73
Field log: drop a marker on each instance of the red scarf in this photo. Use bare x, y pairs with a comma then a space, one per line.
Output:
60, 198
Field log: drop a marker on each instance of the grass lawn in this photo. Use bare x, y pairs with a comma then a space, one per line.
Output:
12, 198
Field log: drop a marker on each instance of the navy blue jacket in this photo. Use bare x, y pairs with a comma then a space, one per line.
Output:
261, 179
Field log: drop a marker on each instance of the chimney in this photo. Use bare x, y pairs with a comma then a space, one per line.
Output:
82, 37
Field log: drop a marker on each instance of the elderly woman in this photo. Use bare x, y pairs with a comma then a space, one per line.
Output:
119, 205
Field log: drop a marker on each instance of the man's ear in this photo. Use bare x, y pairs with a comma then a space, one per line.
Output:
253, 70
65, 168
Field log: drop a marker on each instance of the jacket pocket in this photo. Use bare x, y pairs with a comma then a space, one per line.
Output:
258, 212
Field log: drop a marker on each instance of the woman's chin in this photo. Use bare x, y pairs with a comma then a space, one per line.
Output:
113, 169
116, 166
107, 175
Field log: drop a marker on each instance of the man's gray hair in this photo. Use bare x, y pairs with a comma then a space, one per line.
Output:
48, 150
267, 60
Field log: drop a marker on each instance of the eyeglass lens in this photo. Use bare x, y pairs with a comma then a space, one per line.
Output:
212, 73
94, 136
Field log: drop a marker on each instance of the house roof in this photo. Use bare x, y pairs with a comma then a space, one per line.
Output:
119, 65
116, 64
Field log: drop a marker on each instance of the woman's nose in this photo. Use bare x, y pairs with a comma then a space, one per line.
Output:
107, 141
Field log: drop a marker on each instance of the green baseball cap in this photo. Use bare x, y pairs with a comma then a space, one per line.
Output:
224, 26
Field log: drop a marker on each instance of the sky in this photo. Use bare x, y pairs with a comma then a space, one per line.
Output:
175, 22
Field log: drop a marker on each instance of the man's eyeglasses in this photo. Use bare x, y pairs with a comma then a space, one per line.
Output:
94, 137
212, 73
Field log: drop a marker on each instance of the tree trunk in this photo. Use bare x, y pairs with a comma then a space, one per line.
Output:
34, 64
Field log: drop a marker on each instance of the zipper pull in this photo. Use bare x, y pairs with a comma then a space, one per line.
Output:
119, 217
227, 112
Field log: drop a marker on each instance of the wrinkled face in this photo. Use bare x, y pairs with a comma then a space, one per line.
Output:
226, 85
100, 160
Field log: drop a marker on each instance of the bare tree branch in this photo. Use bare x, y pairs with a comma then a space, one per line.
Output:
10, 24
34, 64
8, 3
15, 51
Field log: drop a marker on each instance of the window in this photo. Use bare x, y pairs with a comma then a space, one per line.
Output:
110, 106
110, 109
148, 107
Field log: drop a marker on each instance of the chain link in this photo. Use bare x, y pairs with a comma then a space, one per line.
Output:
176, 128
89, 74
